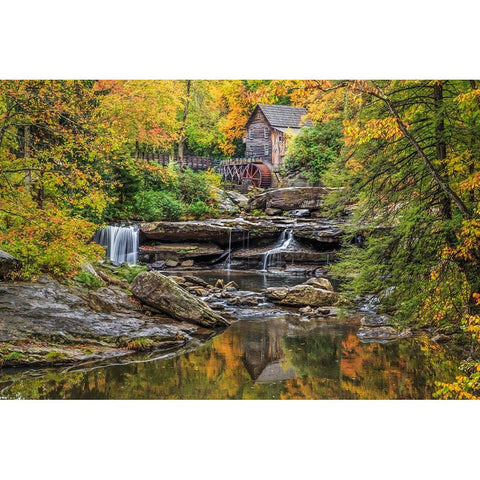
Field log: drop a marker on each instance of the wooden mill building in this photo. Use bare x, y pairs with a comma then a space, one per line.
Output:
268, 130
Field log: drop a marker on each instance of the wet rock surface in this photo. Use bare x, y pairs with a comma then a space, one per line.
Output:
179, 251
236, 230
48, 312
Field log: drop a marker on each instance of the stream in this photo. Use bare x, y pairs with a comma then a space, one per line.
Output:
269, 353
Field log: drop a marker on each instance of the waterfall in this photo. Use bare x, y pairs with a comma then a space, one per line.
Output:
229, 256
285, 241
121, 243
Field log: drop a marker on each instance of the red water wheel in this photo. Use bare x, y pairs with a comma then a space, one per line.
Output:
258, 175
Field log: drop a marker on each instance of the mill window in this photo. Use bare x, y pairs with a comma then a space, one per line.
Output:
266, 150
265, 133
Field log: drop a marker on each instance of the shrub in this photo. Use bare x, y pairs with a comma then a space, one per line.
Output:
199, 209
315, 148
49, 241
158, 205
90, 280
129, 273
194, 186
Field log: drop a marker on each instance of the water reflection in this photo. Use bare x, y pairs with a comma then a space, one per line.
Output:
266, 358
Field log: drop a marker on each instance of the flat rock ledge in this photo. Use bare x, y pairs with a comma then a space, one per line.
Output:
46, 323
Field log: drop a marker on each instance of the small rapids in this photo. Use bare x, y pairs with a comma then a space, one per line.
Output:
121, 243
285, 242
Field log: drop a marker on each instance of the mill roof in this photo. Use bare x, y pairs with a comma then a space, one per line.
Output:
284, 115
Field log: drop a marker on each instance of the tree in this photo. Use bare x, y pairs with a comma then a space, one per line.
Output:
50, 156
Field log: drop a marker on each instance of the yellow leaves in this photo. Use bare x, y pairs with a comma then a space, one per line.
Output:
143, 110
458, 163
356, 133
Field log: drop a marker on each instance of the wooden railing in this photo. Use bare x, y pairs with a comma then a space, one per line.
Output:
192, 161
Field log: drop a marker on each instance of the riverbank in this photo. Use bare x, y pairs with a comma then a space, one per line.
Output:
269, 351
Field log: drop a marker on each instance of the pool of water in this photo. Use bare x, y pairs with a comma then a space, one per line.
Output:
256, 358
267, 354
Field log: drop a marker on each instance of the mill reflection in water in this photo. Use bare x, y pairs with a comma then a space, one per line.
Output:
259, 358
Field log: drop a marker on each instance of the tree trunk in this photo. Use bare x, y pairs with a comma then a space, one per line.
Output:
26, 155
441, 145
181, 140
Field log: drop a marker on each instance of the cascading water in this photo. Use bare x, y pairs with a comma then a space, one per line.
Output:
121, 243
285, 242
229, 256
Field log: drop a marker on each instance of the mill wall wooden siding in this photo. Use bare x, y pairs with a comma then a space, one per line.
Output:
256, 142
261, 136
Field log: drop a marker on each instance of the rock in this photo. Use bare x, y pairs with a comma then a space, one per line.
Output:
322, 311
273, 211
308, 310
219, 283
295, 271
375, 321
158, 291
300, 213
214, 231
182, 251
217, 306
201, 292
171, 263
381, 334
225, 202
301, 296
111, 300
291, 198
237, 198
159, 265
88, 267
9, 265
225, 294
196, 281
231, 286
51, 313
276, 293
319, 282
187, 263
178, 280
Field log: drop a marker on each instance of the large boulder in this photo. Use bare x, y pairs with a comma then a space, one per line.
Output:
162, 293
292, 198
320, 282
8, 265
301, 296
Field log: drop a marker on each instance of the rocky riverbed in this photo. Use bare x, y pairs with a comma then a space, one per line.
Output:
46, 322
